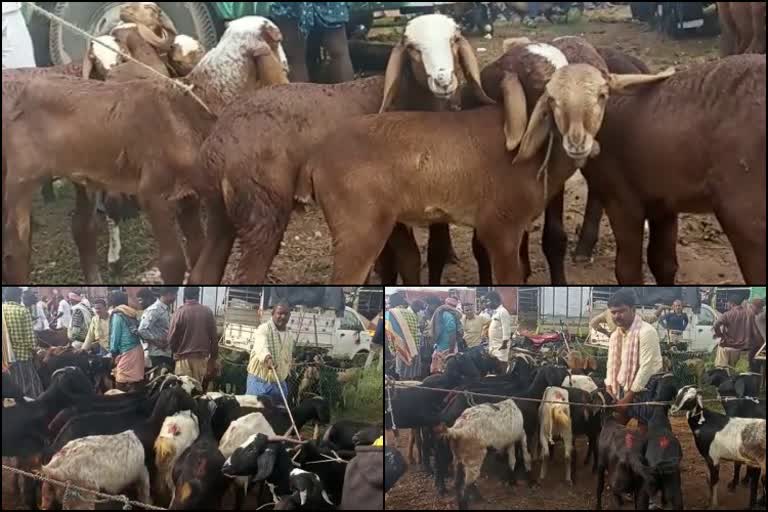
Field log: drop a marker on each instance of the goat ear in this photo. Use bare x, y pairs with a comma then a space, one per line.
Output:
623, 84
538, 130
393, 76
515, 110
472, 70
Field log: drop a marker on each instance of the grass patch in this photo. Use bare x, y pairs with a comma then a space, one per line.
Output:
363, 398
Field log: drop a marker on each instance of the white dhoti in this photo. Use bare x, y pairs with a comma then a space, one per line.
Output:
18, 51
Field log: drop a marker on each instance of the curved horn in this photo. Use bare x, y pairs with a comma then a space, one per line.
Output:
515, 110
393, 75
472, 70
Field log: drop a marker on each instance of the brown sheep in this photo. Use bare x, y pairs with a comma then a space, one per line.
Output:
743, 27
455, 167
156, 162
255, 198
671, 150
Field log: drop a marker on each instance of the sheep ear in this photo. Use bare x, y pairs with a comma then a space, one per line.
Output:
538, 130
472, 70
515, 110
327, 499
623, 84
393, 76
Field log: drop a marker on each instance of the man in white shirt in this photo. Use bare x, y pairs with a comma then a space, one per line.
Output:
64, 314
17, 43
500, 329
473, 326
36, 310
634, 354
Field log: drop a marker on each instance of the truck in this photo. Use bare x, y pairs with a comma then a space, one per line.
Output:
677, 18
205, 21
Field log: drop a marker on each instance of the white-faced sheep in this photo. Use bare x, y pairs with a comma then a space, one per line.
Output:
90, 462
255, 188
159, 165
719, 437
455, 167
498, 426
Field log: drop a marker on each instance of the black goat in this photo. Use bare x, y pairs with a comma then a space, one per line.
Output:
663, 454
307, 493
342, 433
197, 475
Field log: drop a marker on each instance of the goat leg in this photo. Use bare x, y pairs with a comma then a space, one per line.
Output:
662, 249
590, 229
401, 256
161, 218
754, 477
17, 233
483, 262
600, 486
736, 471
627, 221
714, 477
84, 232
189, 220
220, 238
555, 240
440, 252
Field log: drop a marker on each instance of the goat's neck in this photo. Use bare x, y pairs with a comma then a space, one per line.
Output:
303, 414
560, 169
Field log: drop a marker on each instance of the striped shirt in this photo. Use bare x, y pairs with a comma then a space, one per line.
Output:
20, 332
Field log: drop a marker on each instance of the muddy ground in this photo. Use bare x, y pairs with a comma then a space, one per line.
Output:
416, 491
704, 252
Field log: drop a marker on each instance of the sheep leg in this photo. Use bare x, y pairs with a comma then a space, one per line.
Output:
401, 256
525, 255
555, 240
746, 239
627, 221
462, 501
600, 485
220, 238
590, 229
662, 249
17, 234
483, 262
714, 477
442, 461
440, 252
84, 231
754, 476
504, 252
356, 248
161, 218
189, 220
144, 487
736, 471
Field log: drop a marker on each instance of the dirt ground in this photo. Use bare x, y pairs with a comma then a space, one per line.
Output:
416, 491
704, 252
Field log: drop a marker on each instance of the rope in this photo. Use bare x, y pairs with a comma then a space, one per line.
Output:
186, 89
526, 399
285, 401
390, 410
72, 490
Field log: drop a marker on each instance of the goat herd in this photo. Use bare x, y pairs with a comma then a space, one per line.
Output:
172, 445
247, 144
552, 403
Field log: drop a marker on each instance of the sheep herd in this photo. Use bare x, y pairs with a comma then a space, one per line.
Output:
380, 154
173, 446
522, 410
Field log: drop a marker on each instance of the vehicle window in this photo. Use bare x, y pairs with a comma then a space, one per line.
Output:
350, 322
706, 317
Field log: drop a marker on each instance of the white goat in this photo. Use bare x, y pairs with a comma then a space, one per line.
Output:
102, 463
242, 432
498, 426
554, 423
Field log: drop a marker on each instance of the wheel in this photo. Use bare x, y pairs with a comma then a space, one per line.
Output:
642, 11
360, 358
98, 18
39, 28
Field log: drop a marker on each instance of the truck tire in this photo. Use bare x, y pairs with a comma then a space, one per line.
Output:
39, 28
642, 11
191, 18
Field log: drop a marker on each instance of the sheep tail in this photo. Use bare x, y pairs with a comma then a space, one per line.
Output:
305, 189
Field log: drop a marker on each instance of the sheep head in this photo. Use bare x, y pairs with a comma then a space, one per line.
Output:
99, 61
574, 102
688, 398
262, 40
433, 48
185, 54
153, 24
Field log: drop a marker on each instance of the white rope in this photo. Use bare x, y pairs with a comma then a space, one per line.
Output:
187, 89
285, 401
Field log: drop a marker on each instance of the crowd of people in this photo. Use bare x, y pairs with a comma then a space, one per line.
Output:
141, 337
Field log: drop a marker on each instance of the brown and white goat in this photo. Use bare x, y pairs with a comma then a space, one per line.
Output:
455, 167
256, 179
137, 138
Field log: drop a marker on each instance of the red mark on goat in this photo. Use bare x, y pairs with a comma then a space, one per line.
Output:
629, 440
175, 430
200, 469
559, 396
663, 442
